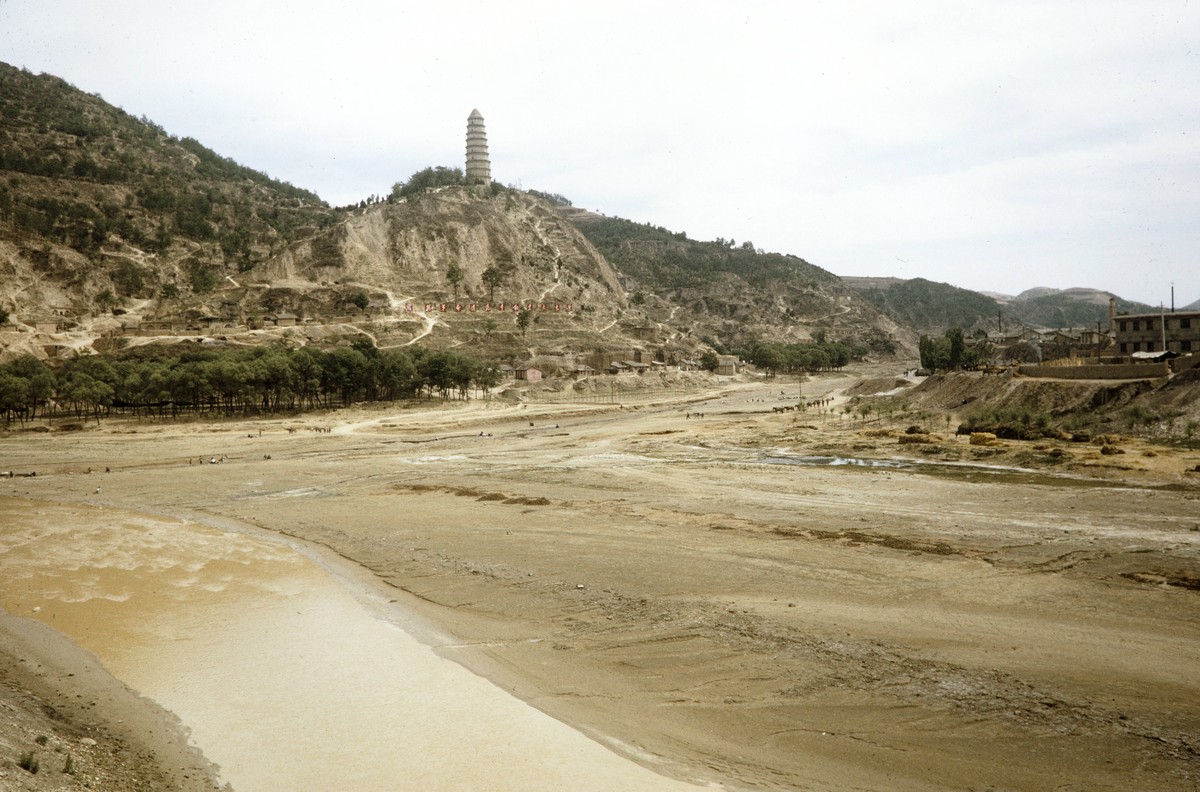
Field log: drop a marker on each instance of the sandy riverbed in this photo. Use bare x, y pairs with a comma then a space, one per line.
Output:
695, 594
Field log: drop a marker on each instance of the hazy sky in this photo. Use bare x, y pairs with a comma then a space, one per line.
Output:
992, 145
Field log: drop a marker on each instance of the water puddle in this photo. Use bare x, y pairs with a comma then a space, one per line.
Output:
960, 471
285, 676
833, 461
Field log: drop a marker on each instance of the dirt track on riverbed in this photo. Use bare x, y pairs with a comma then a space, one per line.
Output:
698, 589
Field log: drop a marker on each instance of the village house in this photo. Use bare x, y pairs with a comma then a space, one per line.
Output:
581, 371
635, 367
528, 373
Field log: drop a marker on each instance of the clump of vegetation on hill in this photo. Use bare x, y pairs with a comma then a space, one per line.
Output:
77, 171
554, 198
662, 259
1012, 423
926, 305
427, 179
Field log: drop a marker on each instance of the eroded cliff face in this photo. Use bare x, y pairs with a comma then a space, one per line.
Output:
450, 265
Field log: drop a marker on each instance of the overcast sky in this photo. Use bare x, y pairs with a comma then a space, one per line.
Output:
996, 146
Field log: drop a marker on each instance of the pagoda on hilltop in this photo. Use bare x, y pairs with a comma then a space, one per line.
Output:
479, 168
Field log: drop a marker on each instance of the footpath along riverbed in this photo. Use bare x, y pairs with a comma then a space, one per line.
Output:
677, 588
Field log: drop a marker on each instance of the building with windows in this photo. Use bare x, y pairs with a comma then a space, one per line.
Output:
1177, 331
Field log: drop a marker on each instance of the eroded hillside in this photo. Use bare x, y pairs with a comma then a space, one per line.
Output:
115, 233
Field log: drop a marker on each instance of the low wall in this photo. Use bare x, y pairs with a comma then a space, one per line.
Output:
1126, 371
1185, 363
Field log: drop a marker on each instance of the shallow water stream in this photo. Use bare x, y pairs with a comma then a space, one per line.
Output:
286, 674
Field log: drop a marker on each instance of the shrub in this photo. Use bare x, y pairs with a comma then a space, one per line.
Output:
29, 761
1010, 423
427, 179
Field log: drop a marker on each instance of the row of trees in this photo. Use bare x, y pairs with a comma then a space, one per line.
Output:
951, 352
162, 382
777, 358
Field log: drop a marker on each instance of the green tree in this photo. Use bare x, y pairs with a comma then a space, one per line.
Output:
957, 346
427, 179
493, 278
128, 278
935, 353
771, 358
438, 371
396, 374
203, 279
14, 396
524, 320
105, 300
87, 382
38, 378
454, 275
709, 360
344, 372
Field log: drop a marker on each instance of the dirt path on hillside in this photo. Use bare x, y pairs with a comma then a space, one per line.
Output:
701, 581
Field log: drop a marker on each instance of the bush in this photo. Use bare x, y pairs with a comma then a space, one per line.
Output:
203, 279
29, 761
427, 179
1010, 423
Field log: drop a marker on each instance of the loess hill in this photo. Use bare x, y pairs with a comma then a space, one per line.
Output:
114, 233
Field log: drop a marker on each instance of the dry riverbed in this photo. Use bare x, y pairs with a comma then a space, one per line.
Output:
758, 599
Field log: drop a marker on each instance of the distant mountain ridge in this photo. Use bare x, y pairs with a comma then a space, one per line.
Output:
933, 307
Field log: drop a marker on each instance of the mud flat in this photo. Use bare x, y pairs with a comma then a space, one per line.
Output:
665, 585
284, 678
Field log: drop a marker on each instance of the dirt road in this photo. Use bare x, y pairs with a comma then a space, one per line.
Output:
695, 582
